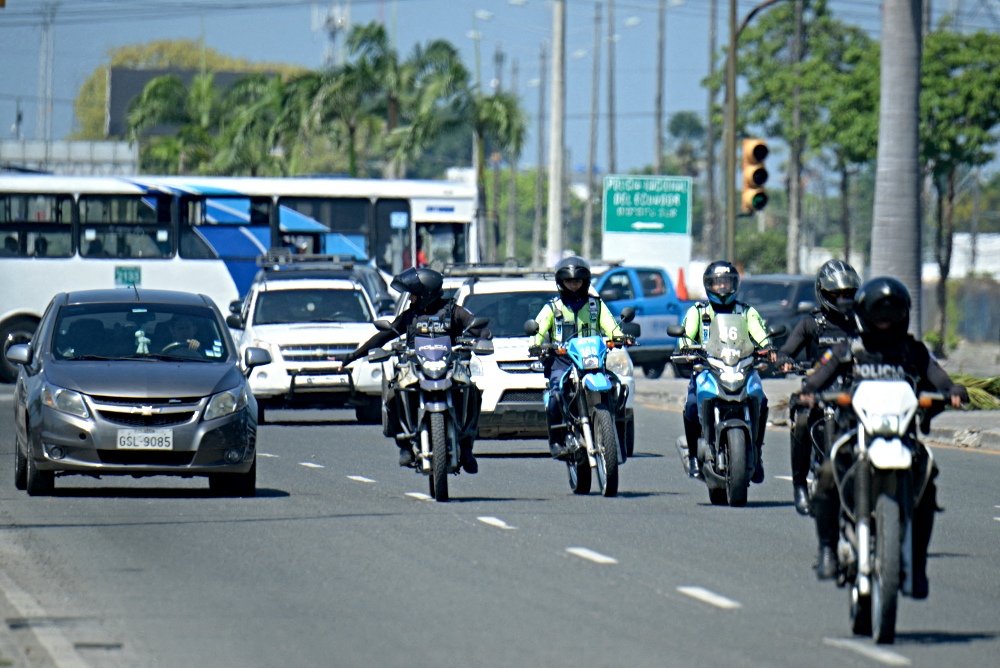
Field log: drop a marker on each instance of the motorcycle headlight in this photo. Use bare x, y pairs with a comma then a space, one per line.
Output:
591, 362
64, 401
226, 403
619, 363
435, 369
476, 367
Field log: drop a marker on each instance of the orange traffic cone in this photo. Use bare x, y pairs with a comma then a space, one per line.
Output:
682, 291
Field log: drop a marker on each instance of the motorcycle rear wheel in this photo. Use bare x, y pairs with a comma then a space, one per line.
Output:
885, 576
439, 458
736, 475
606, 442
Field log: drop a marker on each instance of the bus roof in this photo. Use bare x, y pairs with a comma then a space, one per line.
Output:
57, 184
247, 186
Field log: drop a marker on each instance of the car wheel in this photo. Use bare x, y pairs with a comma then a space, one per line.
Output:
653, 370
369, 412
234, 484
38, 483
20, 468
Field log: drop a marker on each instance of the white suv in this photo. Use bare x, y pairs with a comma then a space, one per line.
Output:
307, 319
512, 388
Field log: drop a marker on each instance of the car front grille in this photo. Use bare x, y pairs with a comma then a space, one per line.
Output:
138, 420
521, 396
520, 366
319, 352
130, 412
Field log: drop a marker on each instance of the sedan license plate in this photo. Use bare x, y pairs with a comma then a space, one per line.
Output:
145, 439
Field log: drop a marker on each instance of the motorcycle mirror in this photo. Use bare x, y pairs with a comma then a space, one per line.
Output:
632, 329
478, 323
384, 325
675, 330
776, 331
531, 327
628, 314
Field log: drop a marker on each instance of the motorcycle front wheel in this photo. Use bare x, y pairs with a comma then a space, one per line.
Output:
439, 458
885, 580
579, 473
606, 443
736, 476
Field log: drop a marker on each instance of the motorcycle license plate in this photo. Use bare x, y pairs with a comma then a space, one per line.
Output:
145, 439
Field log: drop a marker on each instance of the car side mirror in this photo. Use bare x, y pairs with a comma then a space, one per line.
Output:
632, 329
19, 353
776, 331
610, 294
805, 307
234, 321
531, 327
255, 357
386, 306
483, 347
628, 314
235, 306
384, 325
676, 331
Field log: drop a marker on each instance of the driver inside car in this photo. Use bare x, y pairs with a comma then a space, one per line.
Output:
183, 334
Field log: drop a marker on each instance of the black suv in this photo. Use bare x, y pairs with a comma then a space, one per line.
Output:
781, 299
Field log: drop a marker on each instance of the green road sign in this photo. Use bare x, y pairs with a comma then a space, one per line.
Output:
658, 204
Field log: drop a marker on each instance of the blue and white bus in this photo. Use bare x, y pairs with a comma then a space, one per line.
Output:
205, 234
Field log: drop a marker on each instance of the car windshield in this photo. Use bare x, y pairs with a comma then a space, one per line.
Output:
507, 311
131, 330
757, 293
307, 305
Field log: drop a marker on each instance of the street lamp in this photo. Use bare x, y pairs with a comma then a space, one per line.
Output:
730, 147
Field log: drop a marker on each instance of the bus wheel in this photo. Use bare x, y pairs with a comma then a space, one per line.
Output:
18, 330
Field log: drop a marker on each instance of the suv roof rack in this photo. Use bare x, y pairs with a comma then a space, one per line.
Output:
493, 270
282, 259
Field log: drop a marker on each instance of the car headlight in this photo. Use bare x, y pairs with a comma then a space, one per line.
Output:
226, 403
64, 401
476, 367
434, 369
619, 363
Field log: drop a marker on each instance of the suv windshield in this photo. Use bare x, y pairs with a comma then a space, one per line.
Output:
757, 293
116, 331
311, 305
507, 311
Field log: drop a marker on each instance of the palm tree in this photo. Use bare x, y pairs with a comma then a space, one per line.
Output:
896, 224
250, 141
344, 104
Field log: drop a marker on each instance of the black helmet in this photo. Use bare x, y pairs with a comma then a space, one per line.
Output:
424, 284
882, 301
571, 267
836, 285
721, 280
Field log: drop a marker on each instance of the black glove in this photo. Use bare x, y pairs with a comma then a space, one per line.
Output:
959, 391
534, 351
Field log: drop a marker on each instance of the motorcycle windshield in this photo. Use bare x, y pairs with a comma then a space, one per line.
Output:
728, 339
432, 348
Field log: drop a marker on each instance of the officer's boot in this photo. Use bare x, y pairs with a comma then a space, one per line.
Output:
692, 431
923, 525
758, 472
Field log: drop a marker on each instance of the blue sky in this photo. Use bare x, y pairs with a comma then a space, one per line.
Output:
283, 31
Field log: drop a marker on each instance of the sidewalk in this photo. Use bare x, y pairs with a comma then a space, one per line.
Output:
966, 429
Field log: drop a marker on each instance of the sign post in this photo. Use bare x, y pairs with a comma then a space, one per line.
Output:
647, 219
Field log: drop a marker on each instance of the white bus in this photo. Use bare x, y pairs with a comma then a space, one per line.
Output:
205, 234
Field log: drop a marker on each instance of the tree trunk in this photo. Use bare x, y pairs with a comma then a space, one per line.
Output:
845, 210
943, 240
896, 223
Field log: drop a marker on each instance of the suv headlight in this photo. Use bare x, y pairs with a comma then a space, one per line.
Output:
226, 403
619, 363
64, 401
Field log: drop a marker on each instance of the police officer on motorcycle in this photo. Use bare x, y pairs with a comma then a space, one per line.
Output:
882, 349
721, 280
575, 312
831, 324
426, 299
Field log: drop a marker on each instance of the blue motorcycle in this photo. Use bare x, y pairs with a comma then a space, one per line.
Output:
729, 394
592, 396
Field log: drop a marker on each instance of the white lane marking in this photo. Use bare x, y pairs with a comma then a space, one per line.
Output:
866, 649
590, 555
997, 519
495, 522
783, 477
267, 454
419, 495
58, 646
710, 597
310, 465
359, 478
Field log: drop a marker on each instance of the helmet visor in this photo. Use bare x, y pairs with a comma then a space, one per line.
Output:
887, 312
721, 284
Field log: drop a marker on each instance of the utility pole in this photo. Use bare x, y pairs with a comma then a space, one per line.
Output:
511, 249
536, 230
588, 212
612, 163
793, 260
709, 235
557, 123
494, 217
661, 48
731, 137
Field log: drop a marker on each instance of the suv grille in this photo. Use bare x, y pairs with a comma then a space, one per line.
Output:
521, 396
319, 352
520, 366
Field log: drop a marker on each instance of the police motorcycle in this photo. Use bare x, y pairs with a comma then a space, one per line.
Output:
729, 395
592, 397
434, 403
881, 471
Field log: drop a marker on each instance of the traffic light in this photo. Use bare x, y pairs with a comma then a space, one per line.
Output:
754, 175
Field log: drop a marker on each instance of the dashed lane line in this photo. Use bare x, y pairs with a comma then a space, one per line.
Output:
710, 597
419, 496
495, 522
267, 454
590, 555
359, 478
310, 465
58, 646
783, 477
865, 648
